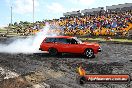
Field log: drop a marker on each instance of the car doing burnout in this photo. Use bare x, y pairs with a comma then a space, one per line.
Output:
67, 44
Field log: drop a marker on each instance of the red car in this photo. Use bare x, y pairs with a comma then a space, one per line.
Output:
68, 44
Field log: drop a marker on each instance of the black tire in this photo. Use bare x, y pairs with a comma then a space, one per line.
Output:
53, 51
81, 80
89, 53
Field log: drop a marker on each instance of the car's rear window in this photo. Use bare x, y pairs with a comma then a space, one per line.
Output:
49, 39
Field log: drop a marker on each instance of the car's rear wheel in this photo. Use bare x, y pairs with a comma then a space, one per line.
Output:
89, 53
53, 51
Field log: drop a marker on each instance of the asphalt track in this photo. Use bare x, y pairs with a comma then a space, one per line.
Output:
43, 70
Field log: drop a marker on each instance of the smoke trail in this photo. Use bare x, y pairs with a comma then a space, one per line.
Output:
27, 45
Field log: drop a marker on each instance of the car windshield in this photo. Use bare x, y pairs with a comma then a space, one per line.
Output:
78, 40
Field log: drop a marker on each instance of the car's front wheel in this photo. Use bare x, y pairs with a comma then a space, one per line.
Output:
89, 53
53, 51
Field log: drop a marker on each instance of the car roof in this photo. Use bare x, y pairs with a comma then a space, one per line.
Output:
60, 37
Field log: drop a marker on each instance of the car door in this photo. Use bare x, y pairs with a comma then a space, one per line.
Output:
65, 45
60, 44
73, 46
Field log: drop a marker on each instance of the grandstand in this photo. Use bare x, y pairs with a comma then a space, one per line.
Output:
116, 20
73, 13
120, 7
95, 11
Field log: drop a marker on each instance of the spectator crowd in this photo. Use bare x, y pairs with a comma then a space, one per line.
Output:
108, 24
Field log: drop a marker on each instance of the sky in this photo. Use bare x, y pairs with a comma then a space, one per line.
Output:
47, 9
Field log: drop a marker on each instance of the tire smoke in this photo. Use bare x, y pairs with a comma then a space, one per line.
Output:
27, 45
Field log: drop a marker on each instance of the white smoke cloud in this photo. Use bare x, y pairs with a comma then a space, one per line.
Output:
27, 45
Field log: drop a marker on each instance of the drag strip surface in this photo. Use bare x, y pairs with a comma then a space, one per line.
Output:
60, 71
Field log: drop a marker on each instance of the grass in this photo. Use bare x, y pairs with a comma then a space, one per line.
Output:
101, 39
3, 30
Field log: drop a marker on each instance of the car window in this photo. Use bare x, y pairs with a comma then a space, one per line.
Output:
50, 40
68, 41
72, 41
61, 40
78, 40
